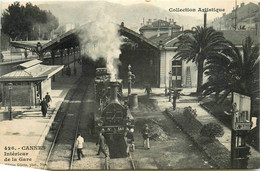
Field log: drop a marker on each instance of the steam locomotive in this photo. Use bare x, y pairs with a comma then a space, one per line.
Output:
113, 115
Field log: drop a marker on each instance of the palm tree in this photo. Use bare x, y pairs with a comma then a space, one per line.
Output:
197, 45
233, 71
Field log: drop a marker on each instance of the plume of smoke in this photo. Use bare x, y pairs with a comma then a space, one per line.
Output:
100, 38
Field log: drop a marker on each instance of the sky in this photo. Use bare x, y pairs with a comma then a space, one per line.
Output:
227, 5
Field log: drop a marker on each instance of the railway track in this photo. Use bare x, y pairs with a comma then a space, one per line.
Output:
62, 149
119, 163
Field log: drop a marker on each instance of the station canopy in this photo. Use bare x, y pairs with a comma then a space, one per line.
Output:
70, 39
31, 71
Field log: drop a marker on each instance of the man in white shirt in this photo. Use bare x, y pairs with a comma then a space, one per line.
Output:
79, 143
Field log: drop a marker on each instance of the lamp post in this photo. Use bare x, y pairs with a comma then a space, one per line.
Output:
10, 87
130, 76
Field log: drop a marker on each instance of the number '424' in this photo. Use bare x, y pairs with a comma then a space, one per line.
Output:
9, 148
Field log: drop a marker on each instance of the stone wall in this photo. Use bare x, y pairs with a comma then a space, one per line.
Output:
22, 94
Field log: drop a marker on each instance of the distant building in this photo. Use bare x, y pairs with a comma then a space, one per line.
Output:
243, 17
159, 27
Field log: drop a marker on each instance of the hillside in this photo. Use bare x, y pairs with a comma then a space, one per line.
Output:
131, 15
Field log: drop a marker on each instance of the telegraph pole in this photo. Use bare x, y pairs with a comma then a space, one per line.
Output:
205, 20
235, 17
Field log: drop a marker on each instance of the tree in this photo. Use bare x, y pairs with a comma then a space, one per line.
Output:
28, 22
12, 21
233, 71
197, 45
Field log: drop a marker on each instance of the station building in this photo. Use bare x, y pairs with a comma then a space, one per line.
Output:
28, 80
178, 73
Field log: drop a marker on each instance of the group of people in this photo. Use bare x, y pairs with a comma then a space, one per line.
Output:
101, 141
44, 103
130, 138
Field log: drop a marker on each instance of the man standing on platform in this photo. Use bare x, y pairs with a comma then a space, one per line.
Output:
44, 107
48, 99
148, 90
174, 98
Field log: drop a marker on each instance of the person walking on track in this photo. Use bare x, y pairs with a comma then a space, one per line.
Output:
101, 143
44, 107
79, 143
146, 133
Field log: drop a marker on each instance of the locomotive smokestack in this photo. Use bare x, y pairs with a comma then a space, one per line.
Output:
113, 91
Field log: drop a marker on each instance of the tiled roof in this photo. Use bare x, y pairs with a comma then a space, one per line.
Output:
166, 39
149, 27
160, 24
37, 70
30, 63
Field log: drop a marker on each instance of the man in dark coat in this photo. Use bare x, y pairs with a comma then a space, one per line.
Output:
48, 99
101, 142
44, 107
148, 90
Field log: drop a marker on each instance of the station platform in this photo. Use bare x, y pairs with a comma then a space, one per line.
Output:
23, 136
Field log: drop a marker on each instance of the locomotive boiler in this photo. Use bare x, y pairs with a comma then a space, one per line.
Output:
113, 116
